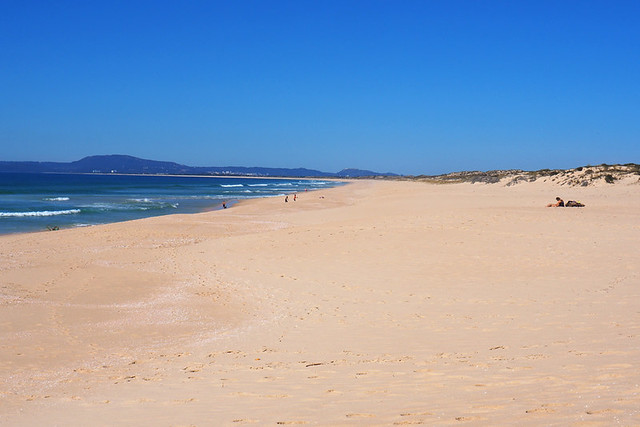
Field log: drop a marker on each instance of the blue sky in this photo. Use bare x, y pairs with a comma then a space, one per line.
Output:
413, 87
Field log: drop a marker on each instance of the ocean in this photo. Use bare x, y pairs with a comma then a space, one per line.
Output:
38, 202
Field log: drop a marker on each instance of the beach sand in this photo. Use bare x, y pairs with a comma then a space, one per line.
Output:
374, 303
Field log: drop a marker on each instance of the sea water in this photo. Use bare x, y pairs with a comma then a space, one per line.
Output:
35, 202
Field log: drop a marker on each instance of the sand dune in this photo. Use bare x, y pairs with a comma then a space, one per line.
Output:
375, 303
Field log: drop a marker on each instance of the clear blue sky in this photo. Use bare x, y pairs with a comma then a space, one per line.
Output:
410, 87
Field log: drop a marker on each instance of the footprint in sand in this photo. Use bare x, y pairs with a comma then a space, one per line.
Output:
412, 414
546, 408
465, 419
537, 356
602, 411
195, 368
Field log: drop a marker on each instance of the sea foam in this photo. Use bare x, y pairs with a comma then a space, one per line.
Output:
40, 213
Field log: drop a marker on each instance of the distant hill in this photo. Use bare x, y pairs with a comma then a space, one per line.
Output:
359, 173
133, 165
126, 164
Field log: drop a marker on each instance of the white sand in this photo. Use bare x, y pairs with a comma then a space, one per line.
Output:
382, 303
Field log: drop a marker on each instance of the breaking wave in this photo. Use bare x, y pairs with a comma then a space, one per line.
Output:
40, 213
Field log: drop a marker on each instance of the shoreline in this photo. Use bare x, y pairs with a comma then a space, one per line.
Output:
382, 302
74, 214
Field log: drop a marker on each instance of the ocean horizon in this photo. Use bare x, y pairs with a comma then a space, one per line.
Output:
32, 202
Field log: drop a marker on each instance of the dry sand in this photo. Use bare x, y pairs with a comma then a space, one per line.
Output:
382, 303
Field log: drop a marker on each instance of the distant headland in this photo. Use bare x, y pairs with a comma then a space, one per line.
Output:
123, 164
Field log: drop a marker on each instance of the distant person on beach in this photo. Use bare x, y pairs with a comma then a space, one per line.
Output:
295, 196
286, 199
224, 205
558, 204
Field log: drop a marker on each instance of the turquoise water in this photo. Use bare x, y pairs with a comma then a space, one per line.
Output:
35, 202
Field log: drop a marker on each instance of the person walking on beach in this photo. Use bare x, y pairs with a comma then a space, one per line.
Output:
286, 199
295, 196
558, 204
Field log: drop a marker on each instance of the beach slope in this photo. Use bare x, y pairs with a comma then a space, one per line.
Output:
374, 303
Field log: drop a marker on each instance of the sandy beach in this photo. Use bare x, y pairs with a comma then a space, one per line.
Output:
374, 303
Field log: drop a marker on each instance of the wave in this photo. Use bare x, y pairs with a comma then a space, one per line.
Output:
204, 197
130, 205
40, 213
231, 185
258, 185
56, 199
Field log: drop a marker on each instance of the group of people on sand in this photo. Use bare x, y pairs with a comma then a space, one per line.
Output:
286, 199
560, 204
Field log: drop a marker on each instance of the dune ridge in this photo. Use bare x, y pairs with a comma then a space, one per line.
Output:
581, 176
